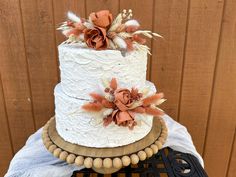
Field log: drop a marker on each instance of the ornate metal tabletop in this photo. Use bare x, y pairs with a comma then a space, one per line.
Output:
166, 162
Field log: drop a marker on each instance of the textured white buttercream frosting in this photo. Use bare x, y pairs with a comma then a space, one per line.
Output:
82, 72
80, 127
82, 69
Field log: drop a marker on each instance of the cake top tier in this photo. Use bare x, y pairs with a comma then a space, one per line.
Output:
100, 31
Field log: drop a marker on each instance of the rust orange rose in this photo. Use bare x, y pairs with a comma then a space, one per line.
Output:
123, 99
123, 117
101, 18
96, 38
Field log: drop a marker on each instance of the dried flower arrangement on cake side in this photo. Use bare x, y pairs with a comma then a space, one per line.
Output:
119, 105
101, 32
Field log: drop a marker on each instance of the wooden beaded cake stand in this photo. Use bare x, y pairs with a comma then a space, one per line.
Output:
105, 160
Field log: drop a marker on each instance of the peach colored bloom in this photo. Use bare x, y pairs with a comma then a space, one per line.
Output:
123, 118
96, 38
123, 99
101, 18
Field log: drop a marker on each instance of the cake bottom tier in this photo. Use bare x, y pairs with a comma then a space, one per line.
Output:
76, 126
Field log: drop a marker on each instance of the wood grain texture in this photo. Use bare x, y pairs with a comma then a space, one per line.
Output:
200, 56
146, 20
14, 72
167, 55
40, 49
61, 8
6, 150
222, 119
232, 162
93, 6
194, 66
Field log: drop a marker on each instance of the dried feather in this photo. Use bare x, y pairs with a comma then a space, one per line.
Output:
132, 23
120, 28
152, 99
155, 107
113, 84
65, 32
73, 31
105, 82
131, 29
116, 23
124, 35
145, 91
142, 47
88, 25
92, 107
63, 27
97, 97
111, 44
107, 112
120, 42
154, 112
147, 33
73, 17
160, 109
107, 104
139, 110
157, 35
160, 101
135, 105
90, 20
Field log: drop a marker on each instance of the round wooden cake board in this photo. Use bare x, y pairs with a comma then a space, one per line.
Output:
105, 160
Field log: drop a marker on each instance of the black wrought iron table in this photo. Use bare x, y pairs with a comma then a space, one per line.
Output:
166, 162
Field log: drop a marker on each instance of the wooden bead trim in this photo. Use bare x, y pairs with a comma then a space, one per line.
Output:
117, 162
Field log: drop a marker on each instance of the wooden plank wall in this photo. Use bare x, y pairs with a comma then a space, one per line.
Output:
195, 65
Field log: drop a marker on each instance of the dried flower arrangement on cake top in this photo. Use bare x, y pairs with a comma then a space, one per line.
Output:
101, 32
119, 105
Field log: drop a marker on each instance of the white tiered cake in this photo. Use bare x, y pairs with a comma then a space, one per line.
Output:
121, 112
81, 72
